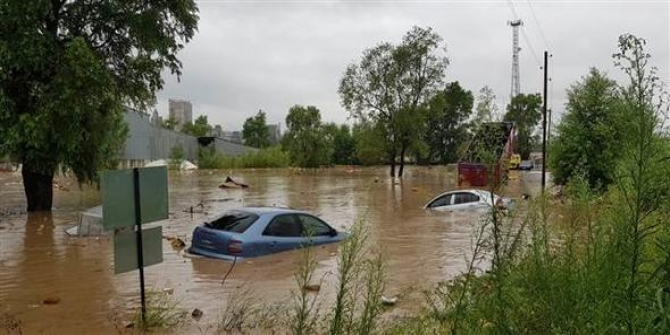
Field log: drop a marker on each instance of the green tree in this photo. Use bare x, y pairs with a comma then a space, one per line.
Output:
199, 128
524, 111
255, 131
170, 124
447, 113
342, 143
588, 138
369, 139
304, 139
67, 68
485, 110
390, 85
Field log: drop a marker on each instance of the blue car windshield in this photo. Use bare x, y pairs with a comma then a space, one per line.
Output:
236, 222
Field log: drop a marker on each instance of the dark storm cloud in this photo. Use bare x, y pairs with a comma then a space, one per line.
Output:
270, 55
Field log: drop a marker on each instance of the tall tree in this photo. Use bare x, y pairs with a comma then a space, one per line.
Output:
255, 131
342, 143
370, 139
486, 108
446, 124
524, 111
588, 139
304, 139
198, 128
391, 83
66, 70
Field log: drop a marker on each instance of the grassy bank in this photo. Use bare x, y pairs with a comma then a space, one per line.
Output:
265, 158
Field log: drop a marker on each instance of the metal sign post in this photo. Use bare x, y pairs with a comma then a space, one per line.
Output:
131, 198
140, 255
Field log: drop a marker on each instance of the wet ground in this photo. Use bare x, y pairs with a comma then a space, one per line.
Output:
55, 284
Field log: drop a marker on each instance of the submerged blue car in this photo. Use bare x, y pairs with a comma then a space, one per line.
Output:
254, 231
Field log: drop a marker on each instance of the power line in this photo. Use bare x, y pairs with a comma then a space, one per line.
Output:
537, 22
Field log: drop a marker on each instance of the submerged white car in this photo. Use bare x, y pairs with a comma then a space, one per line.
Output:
467, 200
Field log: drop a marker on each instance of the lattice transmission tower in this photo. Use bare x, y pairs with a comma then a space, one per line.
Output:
516, 85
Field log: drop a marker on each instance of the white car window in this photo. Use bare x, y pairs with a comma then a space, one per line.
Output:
444, 200
464, 198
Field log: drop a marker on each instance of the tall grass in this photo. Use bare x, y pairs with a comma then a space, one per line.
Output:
360, 284
595, 264
265, 158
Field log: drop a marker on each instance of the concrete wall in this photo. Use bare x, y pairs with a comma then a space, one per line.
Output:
147, 142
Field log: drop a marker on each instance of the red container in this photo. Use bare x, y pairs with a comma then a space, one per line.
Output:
476, 174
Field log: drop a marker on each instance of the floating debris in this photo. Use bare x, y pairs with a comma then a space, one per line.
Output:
51, 301
230, 183
389, 301
197, 314
312, 287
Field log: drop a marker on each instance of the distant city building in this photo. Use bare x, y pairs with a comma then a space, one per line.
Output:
232, 136
274, 131
181, 111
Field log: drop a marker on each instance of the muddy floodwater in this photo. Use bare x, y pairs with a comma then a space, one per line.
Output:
55, 284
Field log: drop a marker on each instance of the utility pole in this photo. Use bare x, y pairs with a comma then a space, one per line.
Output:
544, 123
516, 86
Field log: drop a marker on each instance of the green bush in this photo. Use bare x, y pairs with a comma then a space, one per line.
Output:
267, 158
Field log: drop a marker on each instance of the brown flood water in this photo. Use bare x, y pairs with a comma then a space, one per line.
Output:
39, 261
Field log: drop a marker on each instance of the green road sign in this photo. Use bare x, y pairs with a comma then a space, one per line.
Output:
125, 248
118, 196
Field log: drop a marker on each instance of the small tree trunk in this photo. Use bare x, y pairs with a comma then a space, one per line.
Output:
38, 188
392, 172
402, 161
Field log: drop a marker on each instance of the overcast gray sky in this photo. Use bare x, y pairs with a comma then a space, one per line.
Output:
271, 55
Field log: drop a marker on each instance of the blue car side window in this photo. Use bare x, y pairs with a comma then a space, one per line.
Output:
314, 227
284, 226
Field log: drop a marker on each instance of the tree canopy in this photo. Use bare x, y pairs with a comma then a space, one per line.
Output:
587, 142
67, 68
446, 124
255, 131
305, 140
199, 128
391, 83
525, 111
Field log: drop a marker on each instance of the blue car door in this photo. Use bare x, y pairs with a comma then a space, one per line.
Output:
284, 232
315, 231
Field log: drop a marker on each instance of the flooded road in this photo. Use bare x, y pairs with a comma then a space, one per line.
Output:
40, 264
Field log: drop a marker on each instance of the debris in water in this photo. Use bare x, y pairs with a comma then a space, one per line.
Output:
196, 314
312, 288
168, 290
389, 301
51, 301
176, 243
230, 183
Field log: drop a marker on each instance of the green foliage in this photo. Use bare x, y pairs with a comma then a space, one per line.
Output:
199, 128
304, 140
272, 157
446, 125
162, 312
391, 83
369, 141
255, 131
176, 157
525, 111
589, 136
342, 142
485, 110
66, 69
592, 263
170, 124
